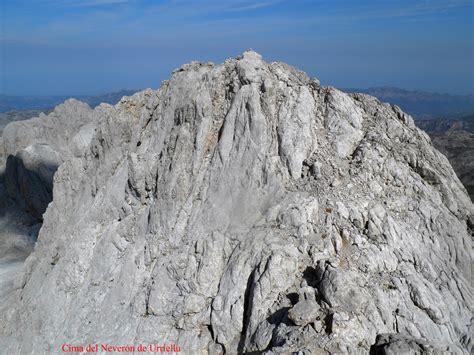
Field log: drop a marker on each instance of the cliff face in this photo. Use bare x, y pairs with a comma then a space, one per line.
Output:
35, 148
242, 207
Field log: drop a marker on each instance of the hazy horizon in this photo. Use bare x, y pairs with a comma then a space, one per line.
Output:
72, 47
113, 91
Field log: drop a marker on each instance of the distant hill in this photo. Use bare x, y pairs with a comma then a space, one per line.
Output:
421, 104
442, 125
21, 103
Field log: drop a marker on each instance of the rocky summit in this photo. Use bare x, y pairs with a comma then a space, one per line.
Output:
240, 208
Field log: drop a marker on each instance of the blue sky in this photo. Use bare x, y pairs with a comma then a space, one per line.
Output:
95, 46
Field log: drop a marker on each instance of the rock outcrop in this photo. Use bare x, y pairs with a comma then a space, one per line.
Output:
35, 148
244, 208
6, 118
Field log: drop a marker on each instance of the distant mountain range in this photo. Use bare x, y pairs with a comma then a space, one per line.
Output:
21, 103
442, 125
421, 104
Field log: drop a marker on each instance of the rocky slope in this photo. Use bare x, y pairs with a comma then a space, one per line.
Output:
455, 139
421, 104
19, 108
243, 208
6, 118
448, 119
458, 146
35, 148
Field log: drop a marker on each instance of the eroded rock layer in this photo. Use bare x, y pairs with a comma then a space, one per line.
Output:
244, 208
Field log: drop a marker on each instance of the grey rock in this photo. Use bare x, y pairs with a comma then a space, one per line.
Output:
393, 344
304, 312
11, 116
316, 170
29, 177
18, 232
190, 215
35, 148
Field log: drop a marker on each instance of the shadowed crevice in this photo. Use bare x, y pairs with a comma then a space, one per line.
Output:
32, 189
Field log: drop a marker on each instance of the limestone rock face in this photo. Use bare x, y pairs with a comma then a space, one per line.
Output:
35, 148
244, 208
